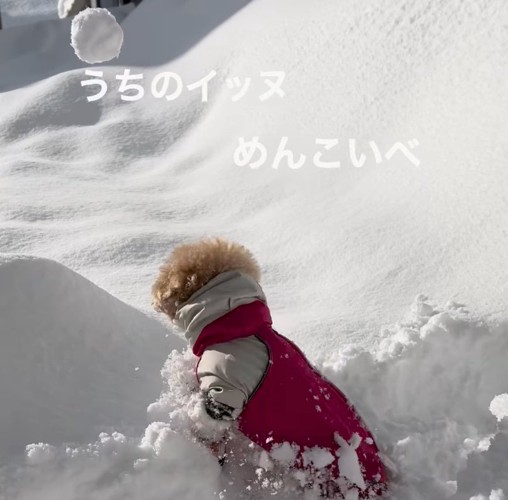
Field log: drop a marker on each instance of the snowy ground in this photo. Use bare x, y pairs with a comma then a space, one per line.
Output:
106, 188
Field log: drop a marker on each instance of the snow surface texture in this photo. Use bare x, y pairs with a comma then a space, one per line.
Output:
96, 36
108, 188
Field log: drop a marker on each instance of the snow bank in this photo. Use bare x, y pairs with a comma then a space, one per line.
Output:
425, 392
73, 359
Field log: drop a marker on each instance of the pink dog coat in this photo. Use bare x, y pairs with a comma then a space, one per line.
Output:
294, 403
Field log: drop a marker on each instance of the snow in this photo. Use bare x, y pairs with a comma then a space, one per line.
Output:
96, 36
283, 453
494, 495
349, 465
115, 466
430, 408
392, 231
104, 190
68, 352
318, 457
497, 495
499, 407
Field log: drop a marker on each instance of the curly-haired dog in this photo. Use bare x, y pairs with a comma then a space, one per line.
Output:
250, 373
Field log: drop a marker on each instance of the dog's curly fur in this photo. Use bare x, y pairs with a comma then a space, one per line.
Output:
191, 265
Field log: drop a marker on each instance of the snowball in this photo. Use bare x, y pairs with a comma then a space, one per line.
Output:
96, 36
499, 407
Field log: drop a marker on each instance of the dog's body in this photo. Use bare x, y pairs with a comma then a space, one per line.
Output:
250, 373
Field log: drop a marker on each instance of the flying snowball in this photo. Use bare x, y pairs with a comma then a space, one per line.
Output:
96, 36
499, 407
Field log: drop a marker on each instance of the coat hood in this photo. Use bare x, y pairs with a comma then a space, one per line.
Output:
221, 294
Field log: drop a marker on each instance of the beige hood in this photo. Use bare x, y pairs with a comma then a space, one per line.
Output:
220, 295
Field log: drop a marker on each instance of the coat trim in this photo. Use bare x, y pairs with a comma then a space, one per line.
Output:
265, 374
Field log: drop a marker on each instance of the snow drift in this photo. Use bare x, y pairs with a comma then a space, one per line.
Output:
139, 177
73, 359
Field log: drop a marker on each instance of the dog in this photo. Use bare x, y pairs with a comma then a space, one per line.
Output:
250, 374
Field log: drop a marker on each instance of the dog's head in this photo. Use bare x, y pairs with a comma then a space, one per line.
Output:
191, 265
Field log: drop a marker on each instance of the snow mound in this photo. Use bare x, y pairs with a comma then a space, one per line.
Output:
73, 359
424, 391
96, 36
